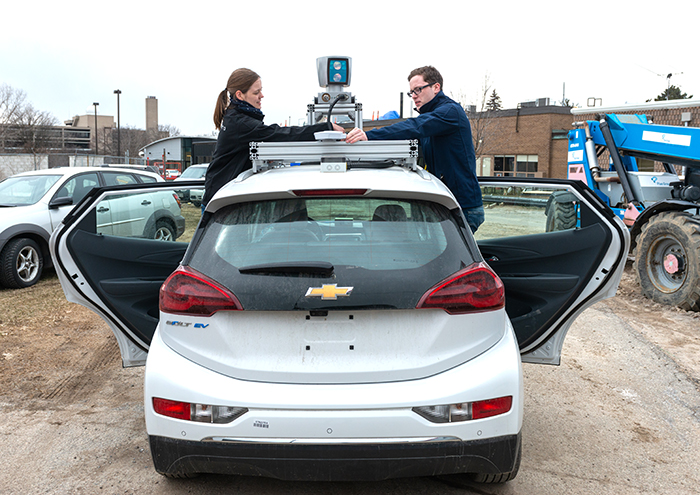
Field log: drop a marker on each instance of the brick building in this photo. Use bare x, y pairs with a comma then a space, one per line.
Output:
532, 140
529, 141
671, 112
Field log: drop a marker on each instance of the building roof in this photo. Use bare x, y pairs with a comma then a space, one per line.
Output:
641, 107
198, 138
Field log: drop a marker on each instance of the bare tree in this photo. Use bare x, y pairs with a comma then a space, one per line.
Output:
481, 118
36, 132
12, 103
170, 129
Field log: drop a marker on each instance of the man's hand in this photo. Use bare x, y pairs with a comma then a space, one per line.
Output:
336, 127
356, 135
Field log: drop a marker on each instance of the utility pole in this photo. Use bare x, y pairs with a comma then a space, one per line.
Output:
119, 130
96, 145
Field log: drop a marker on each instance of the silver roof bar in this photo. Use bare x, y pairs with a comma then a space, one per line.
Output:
272, 155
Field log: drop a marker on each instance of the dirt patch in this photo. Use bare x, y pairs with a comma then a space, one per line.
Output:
73, 417
676, 332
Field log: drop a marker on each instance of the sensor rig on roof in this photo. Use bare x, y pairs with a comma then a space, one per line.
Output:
334, 74
330, 153
330, 150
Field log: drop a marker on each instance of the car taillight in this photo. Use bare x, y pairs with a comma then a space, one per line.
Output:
189, 292
177, 198
491, 407
475, 288
466, 411
201, 413
172, 409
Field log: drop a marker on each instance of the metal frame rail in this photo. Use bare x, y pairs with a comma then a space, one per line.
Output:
273, 155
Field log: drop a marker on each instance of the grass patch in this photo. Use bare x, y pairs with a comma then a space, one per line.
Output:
192, 215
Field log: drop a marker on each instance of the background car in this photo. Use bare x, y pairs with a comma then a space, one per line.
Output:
34, 203
345, 326
193, 173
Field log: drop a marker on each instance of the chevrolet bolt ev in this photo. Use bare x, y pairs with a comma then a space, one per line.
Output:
345, 326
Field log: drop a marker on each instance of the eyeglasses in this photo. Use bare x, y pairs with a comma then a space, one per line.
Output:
418, 90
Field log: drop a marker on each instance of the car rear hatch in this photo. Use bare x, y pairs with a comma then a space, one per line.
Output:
325, 290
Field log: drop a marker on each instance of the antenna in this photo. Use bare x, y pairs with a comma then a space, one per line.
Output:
667, 76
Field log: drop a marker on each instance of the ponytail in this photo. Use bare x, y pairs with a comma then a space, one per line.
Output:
240, 79
221, 106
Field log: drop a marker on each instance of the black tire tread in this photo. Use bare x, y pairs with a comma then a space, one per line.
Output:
8, 260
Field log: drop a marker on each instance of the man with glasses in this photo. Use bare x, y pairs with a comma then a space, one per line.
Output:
445, 137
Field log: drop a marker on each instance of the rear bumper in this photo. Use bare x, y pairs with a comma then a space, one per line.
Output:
335, 462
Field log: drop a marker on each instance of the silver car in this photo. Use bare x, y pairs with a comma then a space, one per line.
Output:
34, 203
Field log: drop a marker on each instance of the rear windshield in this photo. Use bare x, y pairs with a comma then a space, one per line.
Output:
359, 241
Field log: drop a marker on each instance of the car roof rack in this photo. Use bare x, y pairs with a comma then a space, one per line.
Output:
335, 155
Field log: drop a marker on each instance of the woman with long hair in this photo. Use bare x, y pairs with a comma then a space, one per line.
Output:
240, 121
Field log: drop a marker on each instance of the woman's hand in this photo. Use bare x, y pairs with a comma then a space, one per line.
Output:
356, 135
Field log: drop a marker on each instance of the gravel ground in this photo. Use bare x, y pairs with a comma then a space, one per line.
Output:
620, 415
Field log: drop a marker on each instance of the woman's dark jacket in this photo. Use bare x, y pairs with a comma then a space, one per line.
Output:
446, 138
232, 154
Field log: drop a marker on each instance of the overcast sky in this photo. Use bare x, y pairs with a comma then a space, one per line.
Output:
67, 55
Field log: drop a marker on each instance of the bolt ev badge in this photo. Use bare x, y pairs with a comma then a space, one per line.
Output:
328, 292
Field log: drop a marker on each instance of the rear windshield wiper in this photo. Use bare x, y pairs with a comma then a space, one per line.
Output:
318, 268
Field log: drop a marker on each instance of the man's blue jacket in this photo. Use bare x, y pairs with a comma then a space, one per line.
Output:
446, 138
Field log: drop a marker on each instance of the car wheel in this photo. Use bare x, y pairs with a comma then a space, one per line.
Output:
164, 231
197, 203
22, 263
667, 260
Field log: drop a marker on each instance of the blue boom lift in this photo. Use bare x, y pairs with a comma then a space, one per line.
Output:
662, 209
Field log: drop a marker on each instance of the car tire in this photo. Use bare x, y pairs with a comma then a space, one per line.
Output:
501, 477
560, 215
467, 480
164, 231
179, 476
667, 260
21, 263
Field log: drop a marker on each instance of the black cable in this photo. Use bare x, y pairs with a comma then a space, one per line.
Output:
341, 96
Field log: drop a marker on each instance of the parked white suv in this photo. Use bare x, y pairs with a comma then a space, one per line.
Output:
193, 173
345, 325
33, 204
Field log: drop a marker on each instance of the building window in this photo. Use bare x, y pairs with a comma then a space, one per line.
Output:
515, 165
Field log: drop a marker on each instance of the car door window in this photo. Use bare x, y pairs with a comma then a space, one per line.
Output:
118, 178
156, 214
77, 187
525, 210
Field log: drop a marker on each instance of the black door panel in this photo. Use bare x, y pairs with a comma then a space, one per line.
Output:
126, 273
544, 273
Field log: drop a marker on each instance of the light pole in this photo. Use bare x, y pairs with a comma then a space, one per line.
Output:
95, 105
119, 137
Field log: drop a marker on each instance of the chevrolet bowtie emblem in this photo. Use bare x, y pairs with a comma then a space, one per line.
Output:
328, 292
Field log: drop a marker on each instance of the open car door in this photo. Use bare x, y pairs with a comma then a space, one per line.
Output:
555, 245
557, 248
110, 256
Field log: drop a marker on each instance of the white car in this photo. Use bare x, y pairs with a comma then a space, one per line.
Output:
193, 173
338, 320
34, 203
